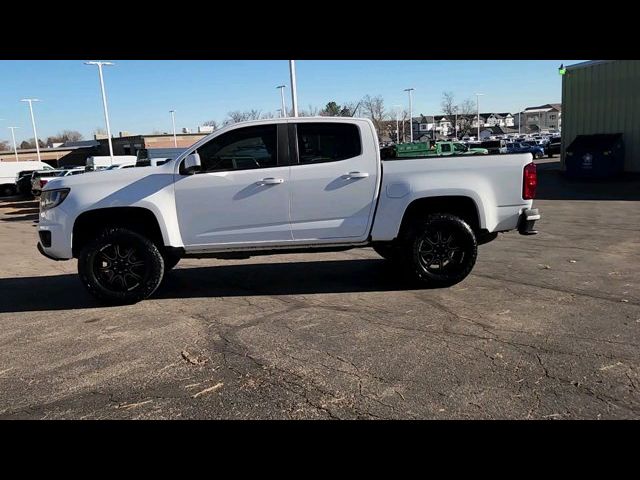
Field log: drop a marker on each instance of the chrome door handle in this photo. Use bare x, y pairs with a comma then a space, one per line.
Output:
270, 181
356, 175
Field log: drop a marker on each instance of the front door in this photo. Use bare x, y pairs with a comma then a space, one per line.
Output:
240, 196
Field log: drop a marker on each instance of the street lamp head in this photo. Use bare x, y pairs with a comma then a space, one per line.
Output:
30, 100
281, 86
172, 111
409, 89
99, 63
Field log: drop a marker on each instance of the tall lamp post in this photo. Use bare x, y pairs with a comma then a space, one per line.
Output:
284, 105
294, 92
173, 121
13, 136
104, 103
33, 122
397, 123
410, 90
478, 95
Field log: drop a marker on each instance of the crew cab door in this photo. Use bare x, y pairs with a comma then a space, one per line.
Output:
334, 180
240, 196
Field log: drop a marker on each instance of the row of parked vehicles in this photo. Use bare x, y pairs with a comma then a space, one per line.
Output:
537, 146
28, 178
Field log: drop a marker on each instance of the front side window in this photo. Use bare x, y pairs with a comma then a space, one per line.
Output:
445, 148
327, 142
242, 149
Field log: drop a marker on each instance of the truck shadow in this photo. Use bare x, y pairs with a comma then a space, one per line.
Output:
64, 292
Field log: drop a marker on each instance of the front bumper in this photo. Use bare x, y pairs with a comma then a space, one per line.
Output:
41, 250
527, 220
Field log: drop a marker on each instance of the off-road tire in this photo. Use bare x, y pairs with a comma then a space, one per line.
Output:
107, 247
443, 236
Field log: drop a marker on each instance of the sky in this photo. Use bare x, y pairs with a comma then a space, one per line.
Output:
140, 93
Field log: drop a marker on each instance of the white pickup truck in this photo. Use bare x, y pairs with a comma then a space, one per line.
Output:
281, 186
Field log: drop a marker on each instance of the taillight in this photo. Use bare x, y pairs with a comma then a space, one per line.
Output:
530, 181
43, 183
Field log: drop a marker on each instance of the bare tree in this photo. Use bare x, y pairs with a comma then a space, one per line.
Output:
99, 131
373, 108
311, 111
65, 136
268, 115
211, 123
4, 145
242, 116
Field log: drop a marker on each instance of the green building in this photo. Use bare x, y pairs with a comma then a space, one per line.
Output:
603, 96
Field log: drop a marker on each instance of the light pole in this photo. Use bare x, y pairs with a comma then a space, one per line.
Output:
33, 122
294, 93
104, 103
173, 121
13, 136
519, 123
284, 105
397, 123
410, 90
478, 95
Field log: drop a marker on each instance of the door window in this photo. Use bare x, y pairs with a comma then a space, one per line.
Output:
445, 148
242, 149
327, 142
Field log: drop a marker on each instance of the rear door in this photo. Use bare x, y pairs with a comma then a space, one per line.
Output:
334, 179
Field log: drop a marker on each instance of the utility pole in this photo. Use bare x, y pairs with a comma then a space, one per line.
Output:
173, 121
294, 93
284, 105
478, 95
33, 122
15, 147
104, 103
410, 90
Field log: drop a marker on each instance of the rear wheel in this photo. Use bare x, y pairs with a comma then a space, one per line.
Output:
441, 250
121, 266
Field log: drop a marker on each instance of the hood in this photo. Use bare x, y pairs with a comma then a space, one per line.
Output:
106, 178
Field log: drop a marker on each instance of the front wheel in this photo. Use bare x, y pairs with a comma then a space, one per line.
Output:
121, 266
441, 250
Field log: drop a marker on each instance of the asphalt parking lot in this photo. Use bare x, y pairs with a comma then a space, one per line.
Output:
545, 327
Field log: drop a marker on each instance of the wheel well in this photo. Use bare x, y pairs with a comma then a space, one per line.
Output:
89, 224
463, 207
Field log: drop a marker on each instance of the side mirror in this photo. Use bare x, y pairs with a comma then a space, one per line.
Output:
192, 164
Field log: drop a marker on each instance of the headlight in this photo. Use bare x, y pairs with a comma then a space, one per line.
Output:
52, 198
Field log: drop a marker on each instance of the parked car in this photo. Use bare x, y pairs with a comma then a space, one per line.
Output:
40, 179
9, 174
331, 193
23, 183
553, 148
525, 147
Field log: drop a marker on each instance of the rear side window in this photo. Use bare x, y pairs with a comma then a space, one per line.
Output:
327, 142
445, 147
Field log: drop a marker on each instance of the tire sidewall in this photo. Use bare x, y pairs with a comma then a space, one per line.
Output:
146, 249
465, 238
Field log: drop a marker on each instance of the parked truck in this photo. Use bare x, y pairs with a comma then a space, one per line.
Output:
429, 149
9, 174
94, 163
283, 186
